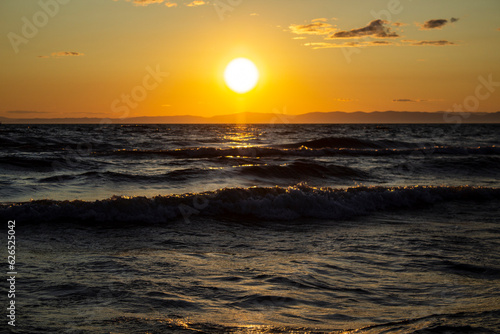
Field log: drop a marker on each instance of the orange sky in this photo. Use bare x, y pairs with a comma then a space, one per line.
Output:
95, 58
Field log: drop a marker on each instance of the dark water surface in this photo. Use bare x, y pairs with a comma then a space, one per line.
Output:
254, 228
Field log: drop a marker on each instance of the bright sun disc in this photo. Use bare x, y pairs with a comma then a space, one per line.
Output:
241, 75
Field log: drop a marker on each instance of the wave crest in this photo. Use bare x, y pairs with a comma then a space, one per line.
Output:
277, 203
304, 151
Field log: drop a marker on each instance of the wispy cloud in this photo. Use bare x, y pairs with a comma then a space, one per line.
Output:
193, 3
355, 44
63, 54
322, 45
375, 33
378, 43
23, 112
436, 23
434, 43
196, 3
144, 2
408, 100
67, 54
364, 44
317, 27
376, 29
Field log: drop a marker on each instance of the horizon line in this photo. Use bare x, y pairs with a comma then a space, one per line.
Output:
332, 117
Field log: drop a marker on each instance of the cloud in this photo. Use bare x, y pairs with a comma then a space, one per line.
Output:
376, 33
415, 100
436, 23
376, 28
378, 43
67, 54
22, 112
314, 28
166, 2
433, 24
145, 2
196, 3
406, 100
344, 100
363, 44
63, 54
323, 45
435, 43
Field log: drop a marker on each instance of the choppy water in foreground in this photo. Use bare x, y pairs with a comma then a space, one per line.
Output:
255, 228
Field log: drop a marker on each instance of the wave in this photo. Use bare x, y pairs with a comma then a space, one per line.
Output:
469, 270
481, 322
31, 163
462, 165
7, 142
176, 175
295, 170
277, 203
258, 151
347, 142
298, 170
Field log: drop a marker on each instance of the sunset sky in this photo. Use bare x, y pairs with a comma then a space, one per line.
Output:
110, 59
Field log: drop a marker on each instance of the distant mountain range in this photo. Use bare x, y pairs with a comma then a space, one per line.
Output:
385, 117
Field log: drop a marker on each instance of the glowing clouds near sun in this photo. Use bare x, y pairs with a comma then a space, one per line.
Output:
241, 75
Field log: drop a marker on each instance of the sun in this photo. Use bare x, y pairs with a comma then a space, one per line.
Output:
241, 75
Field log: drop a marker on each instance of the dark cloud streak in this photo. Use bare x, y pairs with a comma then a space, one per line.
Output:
376, 28
436, 23
407, 100
435, 43
23, 112
67, 54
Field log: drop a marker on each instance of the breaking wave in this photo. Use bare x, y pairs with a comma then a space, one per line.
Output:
276, 203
